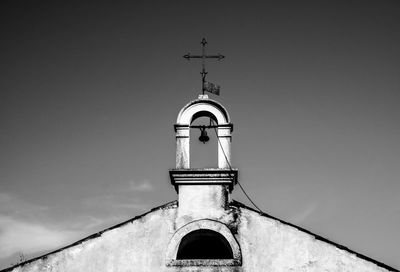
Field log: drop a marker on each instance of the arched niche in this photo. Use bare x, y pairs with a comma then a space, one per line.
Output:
204, 244
189, 113
182, 245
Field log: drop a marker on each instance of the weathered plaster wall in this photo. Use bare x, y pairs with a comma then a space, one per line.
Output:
140, 245
201, 201
135, 246
269, 245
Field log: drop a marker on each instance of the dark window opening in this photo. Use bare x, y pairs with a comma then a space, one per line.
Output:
204, 244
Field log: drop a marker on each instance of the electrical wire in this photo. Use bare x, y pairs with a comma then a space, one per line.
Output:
230, 167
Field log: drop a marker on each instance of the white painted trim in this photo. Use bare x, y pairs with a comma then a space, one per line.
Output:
219, 113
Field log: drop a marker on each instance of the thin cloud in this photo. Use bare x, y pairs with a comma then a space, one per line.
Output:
27, 228
12, 205
30, 228
114, 202
91, 224
144, 186
28, 237
303, 214
132, 206
121, 200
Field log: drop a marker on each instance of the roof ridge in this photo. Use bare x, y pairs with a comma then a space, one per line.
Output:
316, 236
92, 236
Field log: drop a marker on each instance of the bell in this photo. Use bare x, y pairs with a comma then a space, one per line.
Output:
203, 137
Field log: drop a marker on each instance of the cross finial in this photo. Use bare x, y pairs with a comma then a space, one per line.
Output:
203, 57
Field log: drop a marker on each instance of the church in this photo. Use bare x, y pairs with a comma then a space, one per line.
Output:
205, 229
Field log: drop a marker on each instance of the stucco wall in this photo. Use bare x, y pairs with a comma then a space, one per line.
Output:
140, 245
135, 246
269, 245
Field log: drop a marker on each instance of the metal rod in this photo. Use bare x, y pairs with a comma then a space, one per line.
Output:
203, 58
203, 126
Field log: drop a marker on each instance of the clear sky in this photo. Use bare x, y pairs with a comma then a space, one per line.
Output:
90, 93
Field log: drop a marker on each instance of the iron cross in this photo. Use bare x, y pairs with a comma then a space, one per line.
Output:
203, 57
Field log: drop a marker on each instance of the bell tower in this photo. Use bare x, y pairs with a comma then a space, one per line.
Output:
205, 222
203, 192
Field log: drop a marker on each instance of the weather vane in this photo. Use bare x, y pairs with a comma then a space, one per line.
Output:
206, 86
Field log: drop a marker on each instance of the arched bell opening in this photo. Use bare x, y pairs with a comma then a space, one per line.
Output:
187, 118
204, 244
203, 142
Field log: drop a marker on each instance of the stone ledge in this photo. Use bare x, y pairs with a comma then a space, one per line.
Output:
205, 262
203, 176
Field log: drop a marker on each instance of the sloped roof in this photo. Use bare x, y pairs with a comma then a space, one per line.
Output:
234, 203
95, 235
316, 236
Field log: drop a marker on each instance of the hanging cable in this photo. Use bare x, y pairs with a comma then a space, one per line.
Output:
230, 167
